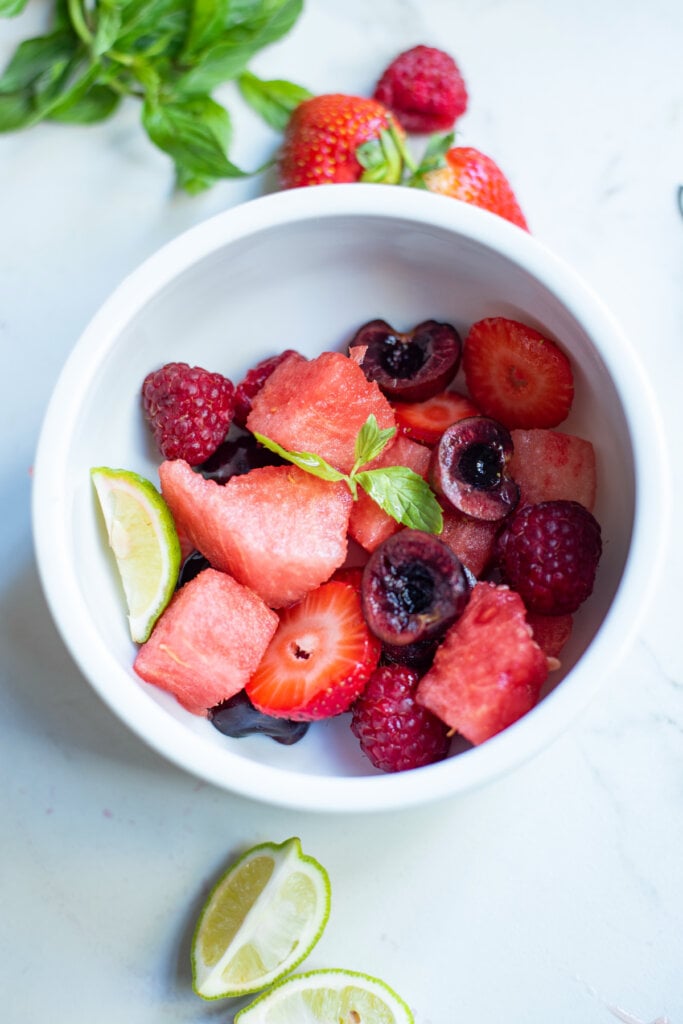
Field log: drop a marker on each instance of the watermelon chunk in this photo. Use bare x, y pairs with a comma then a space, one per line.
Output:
319, 405
368, 524
472, 540
208, 641
278, 530
488, 671
549, 465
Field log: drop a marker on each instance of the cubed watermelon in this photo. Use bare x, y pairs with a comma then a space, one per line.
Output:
472, 540
488, 671
368, 524
319, 405
549, 465
278, 530
208, 642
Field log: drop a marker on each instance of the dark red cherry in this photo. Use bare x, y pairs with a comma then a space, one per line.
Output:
469, 468
237, 717
414, 587
410, 366
239, 454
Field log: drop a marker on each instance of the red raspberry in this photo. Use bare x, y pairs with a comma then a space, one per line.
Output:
395, 733
549, 554
424, 90
252, 384
189, 410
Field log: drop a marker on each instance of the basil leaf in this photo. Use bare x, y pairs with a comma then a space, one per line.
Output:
207, 23
10, 8
16, 111
309, 461
371, 441
153, 27
192, 132
274, 100
86, 105
403, 495
228, 58
109, 16
37, 57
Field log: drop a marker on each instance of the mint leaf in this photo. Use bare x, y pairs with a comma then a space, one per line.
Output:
371, 441
309, 461
404, 495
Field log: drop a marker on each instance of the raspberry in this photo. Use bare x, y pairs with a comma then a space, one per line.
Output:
424, 90
189, 410
252, 384
395, 732
549, 554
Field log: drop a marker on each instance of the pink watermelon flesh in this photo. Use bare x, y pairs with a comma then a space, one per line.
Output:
488, 671
208, 642
368, 524
472, 540
278, 530
549, 465
319, 405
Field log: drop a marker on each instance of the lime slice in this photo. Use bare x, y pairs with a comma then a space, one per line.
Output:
262, 918
143, 537
327, 997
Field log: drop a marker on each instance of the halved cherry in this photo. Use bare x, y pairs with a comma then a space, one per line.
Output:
412, 365
469, 468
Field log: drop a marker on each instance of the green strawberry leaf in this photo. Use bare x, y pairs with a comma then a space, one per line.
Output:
308, 461
382, 159
433, 157
371, 441
404, 495
274, 100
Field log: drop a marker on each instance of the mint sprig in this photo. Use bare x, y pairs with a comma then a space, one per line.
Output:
398, 490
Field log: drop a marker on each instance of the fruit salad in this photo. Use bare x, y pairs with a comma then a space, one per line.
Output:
397, 532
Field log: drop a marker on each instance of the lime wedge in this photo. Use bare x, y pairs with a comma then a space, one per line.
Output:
143, 538
261, 919
323, 997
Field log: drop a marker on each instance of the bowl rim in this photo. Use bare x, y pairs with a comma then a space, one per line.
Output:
521, 741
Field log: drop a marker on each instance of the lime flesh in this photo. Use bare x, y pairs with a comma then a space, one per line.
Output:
328, 997
262, 918
144, 542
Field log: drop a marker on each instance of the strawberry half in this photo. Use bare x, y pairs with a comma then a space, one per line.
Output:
516, 375
320, 658
426, 421
467, 174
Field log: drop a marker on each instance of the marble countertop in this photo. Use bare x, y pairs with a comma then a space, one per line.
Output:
553, 894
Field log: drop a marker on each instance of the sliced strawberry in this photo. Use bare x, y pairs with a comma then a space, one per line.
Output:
488, 671
516, 375
320, 658
426, 421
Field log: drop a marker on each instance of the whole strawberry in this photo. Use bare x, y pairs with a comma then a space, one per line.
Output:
424, 90
189, 410
336, 138
395, 732
468, 174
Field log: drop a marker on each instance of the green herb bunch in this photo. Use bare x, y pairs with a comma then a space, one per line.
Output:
169, 54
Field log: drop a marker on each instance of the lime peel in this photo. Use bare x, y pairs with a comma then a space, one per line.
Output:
321, 996
260, 920
144, 541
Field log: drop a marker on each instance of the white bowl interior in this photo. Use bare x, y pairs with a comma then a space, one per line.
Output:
304, 270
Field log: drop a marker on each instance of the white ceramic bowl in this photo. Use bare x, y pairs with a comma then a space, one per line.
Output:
303, 269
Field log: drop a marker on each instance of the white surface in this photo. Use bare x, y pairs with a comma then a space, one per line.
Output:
395, 249
559, 890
